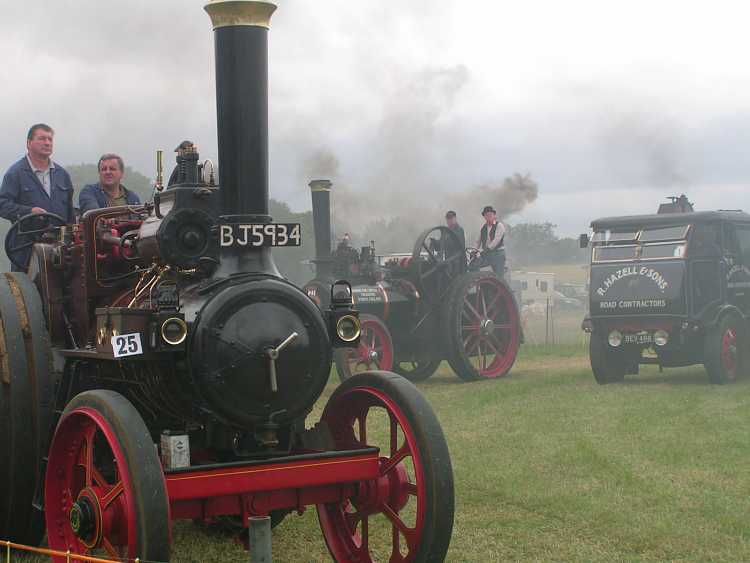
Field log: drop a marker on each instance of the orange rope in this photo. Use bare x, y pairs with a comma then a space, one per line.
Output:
68, 555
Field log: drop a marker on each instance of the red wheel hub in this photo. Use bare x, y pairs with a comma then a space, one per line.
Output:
374, 350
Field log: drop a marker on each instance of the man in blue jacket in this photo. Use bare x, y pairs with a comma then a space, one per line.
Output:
109, 191
35, 184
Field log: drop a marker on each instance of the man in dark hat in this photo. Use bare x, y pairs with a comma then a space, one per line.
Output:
452, 222
491, 243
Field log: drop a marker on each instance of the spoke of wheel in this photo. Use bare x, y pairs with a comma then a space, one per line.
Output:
494, 300
372, 340
362, 418
97, 477
88, 444
394, 433
365, 534
23, 246
396, 541
473, 310
411, 488
484, 306
398, 523
395, 459
498, 344
112, 494
110, 549
352, 520
484, 357
466, 342
491, 345
430, 252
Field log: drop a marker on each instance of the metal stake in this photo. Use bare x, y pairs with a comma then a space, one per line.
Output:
259, 538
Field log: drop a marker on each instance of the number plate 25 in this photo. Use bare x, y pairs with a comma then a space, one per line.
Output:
127, 345
260, 234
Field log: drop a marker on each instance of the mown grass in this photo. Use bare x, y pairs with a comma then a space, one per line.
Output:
550, 466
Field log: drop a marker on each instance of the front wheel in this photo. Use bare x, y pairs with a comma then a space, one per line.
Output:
105, 490
726, 351
406, 514
607, 366
375, 350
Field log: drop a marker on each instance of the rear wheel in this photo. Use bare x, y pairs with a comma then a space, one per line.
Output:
406, 514
726, 351
105, 490
482, 325
608, 366
26, 394
375, 350
417, 369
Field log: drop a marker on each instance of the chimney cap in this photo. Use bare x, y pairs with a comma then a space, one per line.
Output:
237, 13
320, 185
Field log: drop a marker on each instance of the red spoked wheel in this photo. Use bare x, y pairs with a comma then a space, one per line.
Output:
729, 352
375, 350
483, 327
406, 514
105, 491
726, 351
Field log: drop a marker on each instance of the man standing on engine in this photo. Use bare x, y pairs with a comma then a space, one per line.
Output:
449, 244
109, 191
491, 243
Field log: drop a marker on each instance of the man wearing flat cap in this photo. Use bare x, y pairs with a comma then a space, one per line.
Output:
491, 243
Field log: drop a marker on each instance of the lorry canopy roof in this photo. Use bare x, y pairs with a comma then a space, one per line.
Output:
655, 220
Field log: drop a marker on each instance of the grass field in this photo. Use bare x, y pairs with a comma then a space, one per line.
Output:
550, 466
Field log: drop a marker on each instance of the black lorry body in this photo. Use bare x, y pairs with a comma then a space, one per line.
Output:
675, 276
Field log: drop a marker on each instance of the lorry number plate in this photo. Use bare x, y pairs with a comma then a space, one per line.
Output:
639, 338
260, 234
127, 345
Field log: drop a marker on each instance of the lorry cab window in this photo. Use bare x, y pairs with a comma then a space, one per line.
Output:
679, 232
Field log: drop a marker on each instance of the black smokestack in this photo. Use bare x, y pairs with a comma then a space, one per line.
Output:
321, 207
241, 43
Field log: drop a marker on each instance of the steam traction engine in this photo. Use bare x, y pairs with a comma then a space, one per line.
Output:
170, 323
420, 308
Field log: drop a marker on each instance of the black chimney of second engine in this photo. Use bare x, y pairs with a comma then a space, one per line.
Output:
321, 208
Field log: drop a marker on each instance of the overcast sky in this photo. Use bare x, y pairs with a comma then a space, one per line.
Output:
609, 106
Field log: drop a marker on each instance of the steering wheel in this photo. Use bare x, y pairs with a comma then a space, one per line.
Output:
27, 231
437, 259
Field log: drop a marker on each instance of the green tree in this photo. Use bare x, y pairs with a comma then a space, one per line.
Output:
537, 243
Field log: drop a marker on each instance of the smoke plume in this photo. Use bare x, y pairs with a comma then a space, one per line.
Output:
402, 194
